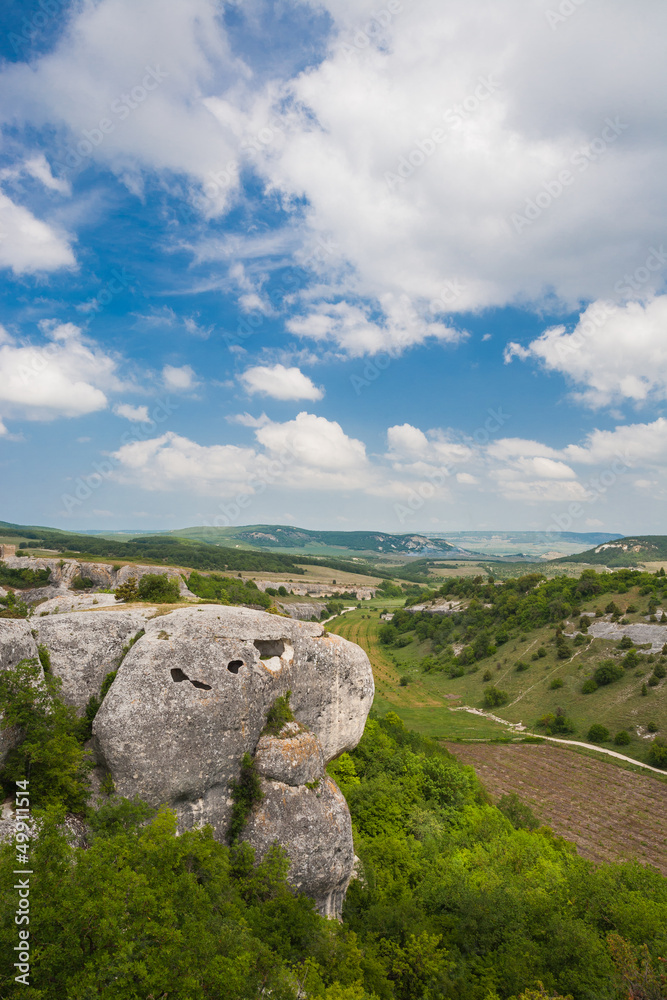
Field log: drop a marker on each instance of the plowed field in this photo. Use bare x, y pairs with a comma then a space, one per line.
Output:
609, 813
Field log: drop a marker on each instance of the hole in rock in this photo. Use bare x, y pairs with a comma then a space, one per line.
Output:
270, 647
179, 675
234, 666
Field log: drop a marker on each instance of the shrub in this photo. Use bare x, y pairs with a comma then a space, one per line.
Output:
282, 590
44, 658
158, 587
521, 666
626, 643
589, 686
558, 724
631, 609
653, 681
644, 690
127, 591
246, 792
487, 676
404, 681
622, 739
493, 698
541, 651
657, 755
81, 583
598, 733
517, 812
607, 673
556, 683
652, 727
631, 659
279, 714
659, 670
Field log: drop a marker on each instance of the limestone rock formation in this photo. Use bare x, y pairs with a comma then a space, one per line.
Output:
192, 697
85, 647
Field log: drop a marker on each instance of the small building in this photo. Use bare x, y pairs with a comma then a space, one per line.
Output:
7, 550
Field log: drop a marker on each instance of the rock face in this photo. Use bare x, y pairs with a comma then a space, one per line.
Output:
192, 697
85, 647
63, 571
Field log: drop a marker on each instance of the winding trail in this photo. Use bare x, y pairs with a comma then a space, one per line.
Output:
554, 739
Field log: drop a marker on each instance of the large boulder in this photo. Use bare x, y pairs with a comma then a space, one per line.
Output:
192, 697
85, 646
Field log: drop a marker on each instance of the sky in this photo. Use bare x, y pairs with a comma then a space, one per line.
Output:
335, 264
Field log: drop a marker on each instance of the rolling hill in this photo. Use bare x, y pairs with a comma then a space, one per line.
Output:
634, 550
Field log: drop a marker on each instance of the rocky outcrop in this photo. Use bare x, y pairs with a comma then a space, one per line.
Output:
192, 697
107, 575
304, 811
85, 647
304, 612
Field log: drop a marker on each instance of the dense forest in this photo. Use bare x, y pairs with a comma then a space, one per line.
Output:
455, 897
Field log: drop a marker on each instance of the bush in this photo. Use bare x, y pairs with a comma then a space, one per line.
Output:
127, 591
521, 666
81, 583
158, 587
246, 792
493, 698
487, 676
659, 671
626, 643
622, 739
631, 659
657, 755
558, 724
278, 715
517, 812
541, 651
653, 681
404, 681
652, 727
607, 673
598, 733
589, 686
556, 683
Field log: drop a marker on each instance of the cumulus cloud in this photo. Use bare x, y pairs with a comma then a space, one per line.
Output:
137, 414
613, 353
68, 375
144, 69
280, 382
27, 244
353, 328
181, 379
308, 452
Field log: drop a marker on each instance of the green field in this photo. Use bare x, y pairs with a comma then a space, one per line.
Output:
542, 684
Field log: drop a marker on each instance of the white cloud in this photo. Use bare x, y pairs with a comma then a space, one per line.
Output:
27, 244
307, 453
352, 328
146, 70
280, 382
137, 414
612, 353
631, 444
179, 379
67, 376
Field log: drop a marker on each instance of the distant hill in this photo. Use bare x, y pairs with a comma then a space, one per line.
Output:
631, 551
279, 536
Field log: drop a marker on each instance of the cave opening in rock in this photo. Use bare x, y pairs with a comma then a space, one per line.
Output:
201, 685
270, 647
234, 666
178, 675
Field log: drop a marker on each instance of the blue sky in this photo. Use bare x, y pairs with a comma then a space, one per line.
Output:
336, 264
